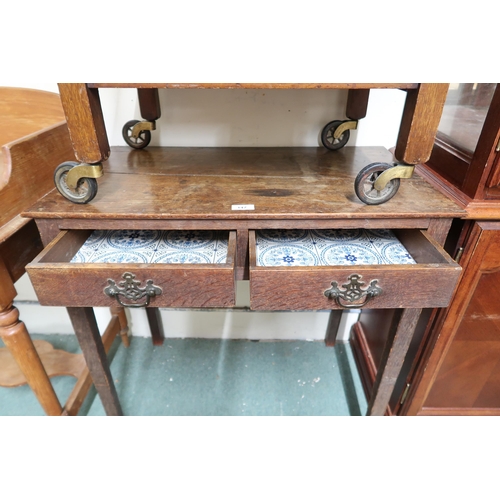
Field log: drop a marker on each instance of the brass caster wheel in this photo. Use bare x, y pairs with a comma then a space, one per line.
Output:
365, 188
86, 187
137, 139
336, 134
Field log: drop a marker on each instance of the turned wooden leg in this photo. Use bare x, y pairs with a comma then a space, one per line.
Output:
15, 336
87, 333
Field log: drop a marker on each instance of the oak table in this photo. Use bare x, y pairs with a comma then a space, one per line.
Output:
239, 191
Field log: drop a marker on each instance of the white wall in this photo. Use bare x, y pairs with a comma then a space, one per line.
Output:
229, 118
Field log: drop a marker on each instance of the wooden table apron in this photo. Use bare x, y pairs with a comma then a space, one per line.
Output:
195, 188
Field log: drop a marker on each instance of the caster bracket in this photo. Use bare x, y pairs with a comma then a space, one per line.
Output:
83, 170
345, 125
140, 126
397, 172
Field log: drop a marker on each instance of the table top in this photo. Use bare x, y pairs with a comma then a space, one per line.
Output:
280, 183
267, 86
26, 111
33, 139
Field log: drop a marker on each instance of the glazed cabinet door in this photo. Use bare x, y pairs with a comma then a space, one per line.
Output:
462, 375
464, 157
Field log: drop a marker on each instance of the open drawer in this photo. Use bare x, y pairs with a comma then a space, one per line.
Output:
157, 269
427, 282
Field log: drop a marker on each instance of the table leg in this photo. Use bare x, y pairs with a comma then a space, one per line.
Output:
396, 347
156, 325
357, 103
87, 333
82, 107
149, 104
420, 121
333, 327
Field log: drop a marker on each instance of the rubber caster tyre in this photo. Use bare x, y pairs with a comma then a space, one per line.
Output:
363, 185
86, 188
139, 142
327, 136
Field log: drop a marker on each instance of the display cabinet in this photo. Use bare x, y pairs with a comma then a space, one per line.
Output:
453, 365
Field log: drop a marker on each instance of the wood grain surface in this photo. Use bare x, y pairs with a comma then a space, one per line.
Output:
58, 282
428, 283
33, 140
82, 108
282, 183
26, 111
257, 85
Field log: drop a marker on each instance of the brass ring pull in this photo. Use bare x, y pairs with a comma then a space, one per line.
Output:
131, 290
352, 293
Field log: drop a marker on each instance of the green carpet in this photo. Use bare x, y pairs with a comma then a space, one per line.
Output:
215, 377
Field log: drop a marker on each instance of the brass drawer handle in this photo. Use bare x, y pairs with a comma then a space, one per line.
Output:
131, 291
353, 292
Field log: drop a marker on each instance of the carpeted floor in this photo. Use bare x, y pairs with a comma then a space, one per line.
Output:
215, 377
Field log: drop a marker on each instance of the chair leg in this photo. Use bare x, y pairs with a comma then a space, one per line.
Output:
17, 339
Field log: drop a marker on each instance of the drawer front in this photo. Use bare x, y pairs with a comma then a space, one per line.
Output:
428, 283
59, 282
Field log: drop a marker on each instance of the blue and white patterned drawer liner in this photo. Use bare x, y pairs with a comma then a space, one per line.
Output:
154, 247
330, 247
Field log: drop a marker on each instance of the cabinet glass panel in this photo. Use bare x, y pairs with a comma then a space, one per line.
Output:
464, 114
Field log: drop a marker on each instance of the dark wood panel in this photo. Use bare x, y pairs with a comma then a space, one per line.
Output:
357, 103
469, 376
20, 249
368, 338
149, 104
460, 374
395, 350
449, 163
